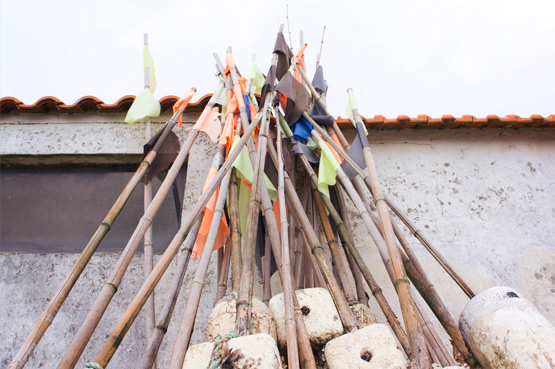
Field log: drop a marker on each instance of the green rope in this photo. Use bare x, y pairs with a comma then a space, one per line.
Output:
92, 365
218, 351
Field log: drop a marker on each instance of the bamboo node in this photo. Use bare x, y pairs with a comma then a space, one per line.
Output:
379, 199
401, 280
113, 286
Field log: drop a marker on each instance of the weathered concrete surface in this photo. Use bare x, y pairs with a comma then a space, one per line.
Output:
484, 197
372, 347
503, 330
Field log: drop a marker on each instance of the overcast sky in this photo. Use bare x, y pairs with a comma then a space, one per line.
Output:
430, 57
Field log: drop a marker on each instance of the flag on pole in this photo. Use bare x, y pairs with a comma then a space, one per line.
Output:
294, 98
326, 169
145, 104
257, 79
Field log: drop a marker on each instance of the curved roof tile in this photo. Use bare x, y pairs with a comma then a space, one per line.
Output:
50, 103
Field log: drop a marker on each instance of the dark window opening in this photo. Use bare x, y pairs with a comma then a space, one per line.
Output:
58, 208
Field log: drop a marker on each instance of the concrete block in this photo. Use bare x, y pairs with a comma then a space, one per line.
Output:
504, 330
198, 356
372, 347
320, 315
222, 319
255, 351
363, 314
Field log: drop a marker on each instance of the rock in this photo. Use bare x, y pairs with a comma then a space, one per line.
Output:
372, 347
503, 330
363, 314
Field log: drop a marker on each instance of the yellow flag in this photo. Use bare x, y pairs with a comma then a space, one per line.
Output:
149, 63
145, 104
257, 79
349, 110
326, 169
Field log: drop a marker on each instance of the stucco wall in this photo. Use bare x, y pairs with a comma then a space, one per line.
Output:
484, 197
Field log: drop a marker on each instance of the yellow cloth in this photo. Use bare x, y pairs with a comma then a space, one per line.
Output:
257, 79
326, 169
349, 110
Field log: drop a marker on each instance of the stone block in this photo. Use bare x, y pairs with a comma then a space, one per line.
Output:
253, 351
372, 347
319, 314
222, 319
363, 314
504, 330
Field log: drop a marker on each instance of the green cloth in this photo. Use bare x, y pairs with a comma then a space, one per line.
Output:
145, 104
349, 110
245, 172
257, 79
149, 63
326, 169
219, 96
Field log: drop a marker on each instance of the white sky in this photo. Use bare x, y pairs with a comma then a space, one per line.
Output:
430, 57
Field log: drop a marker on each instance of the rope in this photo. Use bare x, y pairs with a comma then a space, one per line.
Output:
92, 365
218, 352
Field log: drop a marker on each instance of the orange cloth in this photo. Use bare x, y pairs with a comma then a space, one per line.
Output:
335, 153
182, 104
223, 230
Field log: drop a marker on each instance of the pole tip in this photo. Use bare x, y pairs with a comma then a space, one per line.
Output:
228, 50
349, 89
194, 89
145, 38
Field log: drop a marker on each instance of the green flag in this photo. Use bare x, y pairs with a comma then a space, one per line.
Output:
257, 79
245, 172
326, 169
145, 104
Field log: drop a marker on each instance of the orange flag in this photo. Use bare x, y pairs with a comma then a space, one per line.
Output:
223, 230
183, 102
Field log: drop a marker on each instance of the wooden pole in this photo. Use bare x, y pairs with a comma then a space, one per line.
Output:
419, 355
153, 345
295, 206
146, 289
288, 291
56, 302
188, 321
224, 273
235, 228
150, 309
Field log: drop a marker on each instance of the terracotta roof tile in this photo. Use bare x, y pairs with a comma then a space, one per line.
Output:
49, 103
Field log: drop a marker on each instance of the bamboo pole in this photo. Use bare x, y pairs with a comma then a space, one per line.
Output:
146, 289
153, 345
346, 238
295, 206
150, 309
110, 287
419, 355
190, 313
357, 275
266, 271
224, 273
235, 233
56, 302
290, 325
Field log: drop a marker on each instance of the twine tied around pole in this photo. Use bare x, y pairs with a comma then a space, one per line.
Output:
220, 351
92, 365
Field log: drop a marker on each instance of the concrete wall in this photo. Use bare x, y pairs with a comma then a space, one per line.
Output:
484, 197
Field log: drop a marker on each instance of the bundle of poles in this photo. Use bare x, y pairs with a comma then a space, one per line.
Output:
288, 138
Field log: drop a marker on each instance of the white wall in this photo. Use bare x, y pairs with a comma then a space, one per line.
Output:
484, 197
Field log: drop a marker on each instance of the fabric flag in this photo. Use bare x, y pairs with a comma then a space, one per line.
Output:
268, 85
300, 148
299, 58
302, 129
182, 104
318, 82
219, 96
355, 153
165, 155
349, 110
245, 172
257, 79
297, 98
209, 122
145, 104
318, 112
284, 55
326, 169
223, 230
